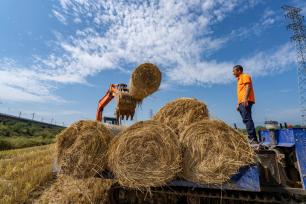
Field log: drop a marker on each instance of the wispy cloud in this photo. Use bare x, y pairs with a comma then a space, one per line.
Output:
271, 62
250, 4
212, 72
18, 83
168, 33
59, 16
174, 34
268, 19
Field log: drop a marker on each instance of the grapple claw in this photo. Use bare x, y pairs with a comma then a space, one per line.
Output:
126, 105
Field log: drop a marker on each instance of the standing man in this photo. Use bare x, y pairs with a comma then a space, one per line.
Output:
246, 99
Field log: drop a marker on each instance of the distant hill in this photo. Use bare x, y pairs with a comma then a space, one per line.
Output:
19, 132
28, 129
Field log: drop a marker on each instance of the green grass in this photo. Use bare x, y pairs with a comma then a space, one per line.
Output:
15, 142
20, 134
11, 128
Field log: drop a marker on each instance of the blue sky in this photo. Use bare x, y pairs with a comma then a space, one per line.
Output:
57, 58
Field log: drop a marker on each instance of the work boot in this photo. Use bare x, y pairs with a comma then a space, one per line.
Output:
253, 141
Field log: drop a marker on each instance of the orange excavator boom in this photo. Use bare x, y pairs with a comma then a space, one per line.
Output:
110, 94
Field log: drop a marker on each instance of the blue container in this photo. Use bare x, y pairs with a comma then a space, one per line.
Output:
247, 179
294, 137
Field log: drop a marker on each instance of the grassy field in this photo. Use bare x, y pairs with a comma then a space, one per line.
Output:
14, 142
23, 170
18, 134
11, 128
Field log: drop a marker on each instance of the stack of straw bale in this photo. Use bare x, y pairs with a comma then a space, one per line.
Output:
212, 151
146, 154
144, 81
180, 140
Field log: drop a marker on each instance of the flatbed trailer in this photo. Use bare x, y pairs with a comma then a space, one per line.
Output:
179, 194
278, 177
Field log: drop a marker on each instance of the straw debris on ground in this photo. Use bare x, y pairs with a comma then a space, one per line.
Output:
182, 112
144, 81
79, 191
81, 149
24, 170
213, 152
146, 154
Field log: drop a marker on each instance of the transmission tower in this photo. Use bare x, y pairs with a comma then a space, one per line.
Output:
296, 25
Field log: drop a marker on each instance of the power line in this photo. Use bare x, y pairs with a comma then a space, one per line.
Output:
296, 25
34, 116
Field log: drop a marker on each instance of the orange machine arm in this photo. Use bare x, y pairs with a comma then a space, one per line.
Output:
105, 100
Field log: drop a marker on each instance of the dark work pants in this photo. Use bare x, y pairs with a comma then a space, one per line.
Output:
246, 114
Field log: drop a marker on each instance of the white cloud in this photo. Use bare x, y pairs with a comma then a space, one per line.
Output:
169, 33
212, 72
268, 19
174, 34
23, 84
250, 4
264, 63
60, 17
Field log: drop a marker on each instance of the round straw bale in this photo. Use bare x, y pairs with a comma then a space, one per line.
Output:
147, 154
181, 112
81, 149
213, 151
144, 81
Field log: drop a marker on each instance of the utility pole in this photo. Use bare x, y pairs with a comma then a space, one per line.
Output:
296, 25
151, 112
